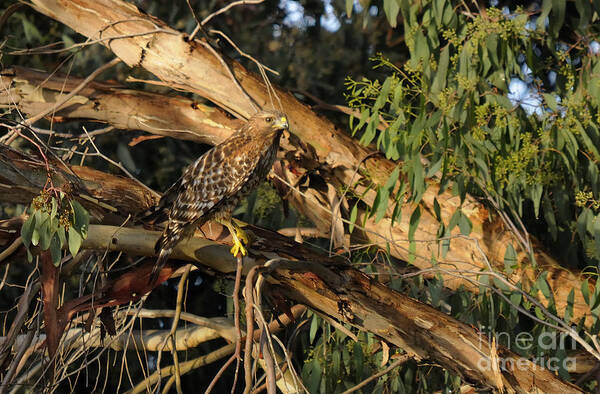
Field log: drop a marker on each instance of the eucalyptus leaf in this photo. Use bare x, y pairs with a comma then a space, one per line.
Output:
74, 241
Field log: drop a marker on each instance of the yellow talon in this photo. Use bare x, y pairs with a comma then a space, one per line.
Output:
241, 234
240, 238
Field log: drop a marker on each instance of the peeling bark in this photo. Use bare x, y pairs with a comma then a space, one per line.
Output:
349, 295
305, 167
22, 177
35, 92
345, 294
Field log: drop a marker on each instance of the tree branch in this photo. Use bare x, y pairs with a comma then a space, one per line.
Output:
182, 118
345, 294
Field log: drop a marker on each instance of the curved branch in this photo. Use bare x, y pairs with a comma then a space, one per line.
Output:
330, 153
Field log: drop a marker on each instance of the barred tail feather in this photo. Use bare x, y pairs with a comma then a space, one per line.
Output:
164, 247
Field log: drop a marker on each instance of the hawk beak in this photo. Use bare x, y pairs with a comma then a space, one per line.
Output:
281, 124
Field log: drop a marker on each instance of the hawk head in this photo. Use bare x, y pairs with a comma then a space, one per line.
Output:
267, 123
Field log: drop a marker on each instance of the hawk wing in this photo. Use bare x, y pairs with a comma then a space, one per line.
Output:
205, 187
215, 177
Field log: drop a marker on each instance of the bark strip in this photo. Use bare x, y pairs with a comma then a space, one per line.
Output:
133, 109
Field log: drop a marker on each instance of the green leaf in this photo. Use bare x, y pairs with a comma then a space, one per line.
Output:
558, 16
364, 115
483, 168
27, 230
314, 326
353, 215
435, 167
536, 197
585, 291
314, 379
595, 300
437, 210
597, 235
441, 75
454, 219
55, 249
438, 11
359, 360
421, 49
393, 179
570, 304
391, 9
62, 236
414, 223
510, 259
380, 203
383, 96
370, 131
584, 222
74, 241
81, 218
31, 31
585, 12
465, 225
45, 234
54, 210
418, 179
542, 284
35, 236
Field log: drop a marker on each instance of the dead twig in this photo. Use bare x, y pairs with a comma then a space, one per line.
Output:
178, 306
238, 343
220, 11
404, 358
72, 93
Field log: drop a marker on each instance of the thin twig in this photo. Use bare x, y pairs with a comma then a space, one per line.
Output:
269, 364
238, 343
242, 53
40, 51
72, 93
114, 163
10, 249
198, 22
220, 11
249, 296
236, 318
404, 358
212, 50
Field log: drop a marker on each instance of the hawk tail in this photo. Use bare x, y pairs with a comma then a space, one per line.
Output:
164, 247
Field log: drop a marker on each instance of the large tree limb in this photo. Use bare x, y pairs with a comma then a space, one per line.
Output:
345, 294
35, 92
187, 120
349, 295
329, 286
23, 177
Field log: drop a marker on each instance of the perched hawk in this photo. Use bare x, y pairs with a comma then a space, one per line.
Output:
213, 185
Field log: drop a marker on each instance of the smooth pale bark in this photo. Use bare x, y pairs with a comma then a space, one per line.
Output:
126, 108
345, 294
351, 296
178, 117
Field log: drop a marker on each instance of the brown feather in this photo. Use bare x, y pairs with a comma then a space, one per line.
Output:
214, 185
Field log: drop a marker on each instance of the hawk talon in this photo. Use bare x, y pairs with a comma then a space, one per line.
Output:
240, 238
238, 247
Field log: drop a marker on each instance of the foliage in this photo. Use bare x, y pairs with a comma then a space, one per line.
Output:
499, 104
55, 222
495, 102
502, 103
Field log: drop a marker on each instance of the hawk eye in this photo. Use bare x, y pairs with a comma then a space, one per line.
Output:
269, 119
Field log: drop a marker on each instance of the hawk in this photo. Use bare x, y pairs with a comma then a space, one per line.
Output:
212, 186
